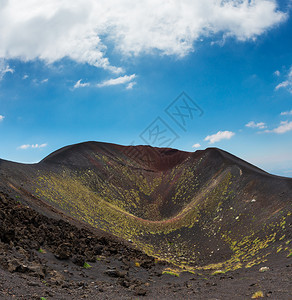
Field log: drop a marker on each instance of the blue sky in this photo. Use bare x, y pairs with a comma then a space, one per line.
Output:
100, 71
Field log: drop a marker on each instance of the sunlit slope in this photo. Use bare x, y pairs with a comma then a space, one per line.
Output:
193, 209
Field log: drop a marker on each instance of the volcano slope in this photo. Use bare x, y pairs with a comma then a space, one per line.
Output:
206, 210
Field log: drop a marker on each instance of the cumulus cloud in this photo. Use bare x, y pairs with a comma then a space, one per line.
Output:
79, 84
286, 113
33, 146
284, 127
4, 67
277, 73
120, 80
286, 83
196, 145
82, 29
1, 118
252, 124
25, 76
220, 135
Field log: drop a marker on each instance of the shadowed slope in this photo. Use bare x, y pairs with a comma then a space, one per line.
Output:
189, 208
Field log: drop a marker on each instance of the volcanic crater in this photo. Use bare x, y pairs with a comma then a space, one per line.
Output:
203, 209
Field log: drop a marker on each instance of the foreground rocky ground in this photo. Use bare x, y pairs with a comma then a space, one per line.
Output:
54, 258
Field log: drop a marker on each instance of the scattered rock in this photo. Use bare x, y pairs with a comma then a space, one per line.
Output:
269, 294
33, 283
16, 266
264, 269
63, 251
147, 264
56, 277
50, 294
125, 283
112, 273
139, 291
78, 260
115, 273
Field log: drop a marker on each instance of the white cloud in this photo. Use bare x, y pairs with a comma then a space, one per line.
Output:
23, 147
196, 145
277, 73
220, 135
82, 29
130, 85
1, 118
79, 84
33, 146
37, 81
252, 124
39, 146
286, 113
284, 127
286, 83
120, 80
25, 76
283, 84
4, 67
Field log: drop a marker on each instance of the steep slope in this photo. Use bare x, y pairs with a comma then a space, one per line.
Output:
204, 209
